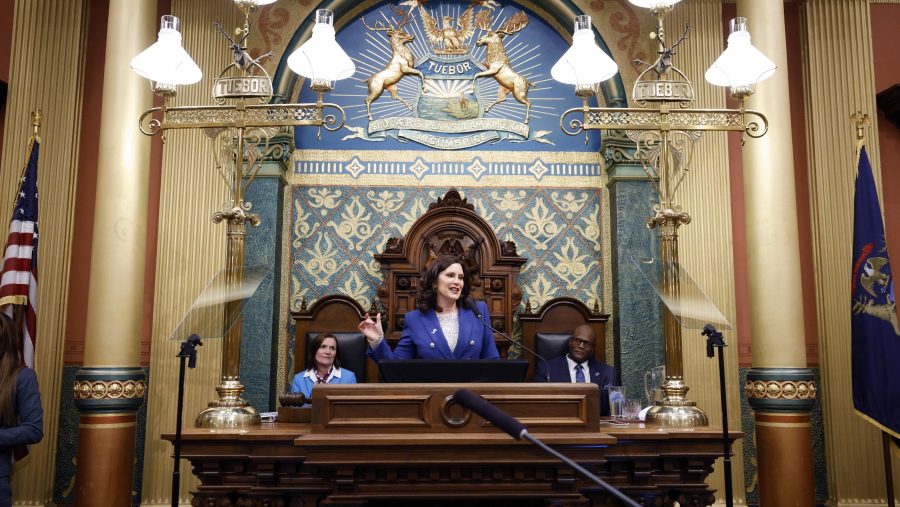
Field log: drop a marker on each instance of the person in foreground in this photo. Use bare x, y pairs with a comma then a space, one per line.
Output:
21, 415
579, 365
324, 367
448, 323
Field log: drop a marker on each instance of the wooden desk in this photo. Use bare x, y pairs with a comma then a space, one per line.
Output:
409, 445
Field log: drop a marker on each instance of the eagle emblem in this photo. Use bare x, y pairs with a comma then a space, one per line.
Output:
452, 36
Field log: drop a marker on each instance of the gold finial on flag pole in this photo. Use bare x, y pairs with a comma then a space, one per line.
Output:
36, 117
861, 121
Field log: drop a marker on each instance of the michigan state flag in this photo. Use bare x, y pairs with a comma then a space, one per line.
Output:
875, 331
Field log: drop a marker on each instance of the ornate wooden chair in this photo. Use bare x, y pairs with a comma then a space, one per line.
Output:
547, 330
451, 226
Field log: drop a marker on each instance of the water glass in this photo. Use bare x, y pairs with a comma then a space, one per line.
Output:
617, 401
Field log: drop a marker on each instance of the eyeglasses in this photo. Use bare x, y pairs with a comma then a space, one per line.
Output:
579, 342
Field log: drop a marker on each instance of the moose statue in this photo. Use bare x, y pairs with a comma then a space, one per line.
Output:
402, 62
497, 62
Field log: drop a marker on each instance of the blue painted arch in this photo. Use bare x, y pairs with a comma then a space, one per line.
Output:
559, 14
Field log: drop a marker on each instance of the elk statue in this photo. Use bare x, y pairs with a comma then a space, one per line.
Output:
497, 62
402, 62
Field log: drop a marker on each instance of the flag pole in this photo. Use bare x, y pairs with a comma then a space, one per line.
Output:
861, 121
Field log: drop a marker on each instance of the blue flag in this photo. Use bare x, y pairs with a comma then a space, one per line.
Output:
875, 332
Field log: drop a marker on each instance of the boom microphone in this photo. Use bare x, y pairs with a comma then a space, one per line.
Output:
520, 344
490, 413
517, 430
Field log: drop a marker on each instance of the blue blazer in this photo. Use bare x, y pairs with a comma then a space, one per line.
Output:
30, 429
423, 339
601, 374
304, 384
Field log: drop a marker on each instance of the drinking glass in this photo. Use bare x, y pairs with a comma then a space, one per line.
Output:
617, 401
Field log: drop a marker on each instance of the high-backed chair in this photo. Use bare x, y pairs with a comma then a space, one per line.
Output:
451, 226
339, 315
547, 330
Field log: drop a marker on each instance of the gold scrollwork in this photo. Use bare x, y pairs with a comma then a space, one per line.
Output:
786, 390
112, 389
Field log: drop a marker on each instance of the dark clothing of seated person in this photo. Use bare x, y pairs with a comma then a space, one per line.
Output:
21, 415
448, 323
579, 365
324, 367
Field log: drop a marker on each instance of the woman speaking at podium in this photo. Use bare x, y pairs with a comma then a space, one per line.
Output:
448, 323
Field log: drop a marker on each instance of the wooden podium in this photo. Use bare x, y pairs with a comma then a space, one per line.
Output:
405, 445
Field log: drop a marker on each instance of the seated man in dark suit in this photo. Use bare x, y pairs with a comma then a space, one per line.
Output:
579, 365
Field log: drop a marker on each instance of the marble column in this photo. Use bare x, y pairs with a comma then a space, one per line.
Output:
110, 386
780, 388
637, 321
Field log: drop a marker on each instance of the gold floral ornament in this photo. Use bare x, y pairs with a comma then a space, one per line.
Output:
112, 389
321, 264
509, 202
386, 202
569, 203
541, 226
354, 227
571, 266
541, 289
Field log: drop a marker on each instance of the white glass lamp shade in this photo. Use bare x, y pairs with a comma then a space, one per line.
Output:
584, 63
654, 4
321, 58
741, 65
166, 61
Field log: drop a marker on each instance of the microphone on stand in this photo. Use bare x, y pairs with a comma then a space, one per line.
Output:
512, 427
507, 338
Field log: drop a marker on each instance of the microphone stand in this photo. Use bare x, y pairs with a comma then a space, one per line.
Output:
514, 428
714, 340
520, 344
188, 352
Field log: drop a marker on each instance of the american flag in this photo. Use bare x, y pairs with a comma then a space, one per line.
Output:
18, 278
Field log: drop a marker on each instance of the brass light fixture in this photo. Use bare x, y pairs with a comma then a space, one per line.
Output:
665, 129
241, 123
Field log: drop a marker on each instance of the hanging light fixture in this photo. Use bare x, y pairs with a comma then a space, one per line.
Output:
741, 65
321, 59
242, 123
166, 63
664, 127
584, 64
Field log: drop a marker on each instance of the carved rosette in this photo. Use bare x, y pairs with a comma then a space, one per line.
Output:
781, 389
109, 389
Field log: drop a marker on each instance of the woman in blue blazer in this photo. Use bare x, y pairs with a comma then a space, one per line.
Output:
448, 324
21, 416
324, 367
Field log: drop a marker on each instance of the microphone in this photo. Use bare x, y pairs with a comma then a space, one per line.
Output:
517, 430
520, 344
490, 413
